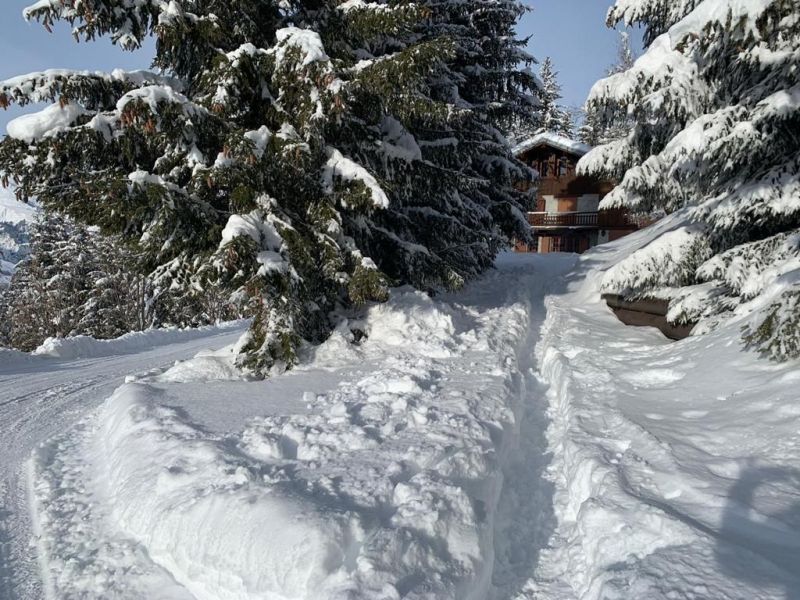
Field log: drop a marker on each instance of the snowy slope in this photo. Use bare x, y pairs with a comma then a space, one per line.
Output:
12, 211
676, 466
41, 397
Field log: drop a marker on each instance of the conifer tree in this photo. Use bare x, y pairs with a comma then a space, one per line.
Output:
625, 55
13, 248
78, 282
599, 129
553, 116
591, 131
304, 154
49, 287
716, 109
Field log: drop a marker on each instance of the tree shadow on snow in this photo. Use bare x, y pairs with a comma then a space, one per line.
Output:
760, 547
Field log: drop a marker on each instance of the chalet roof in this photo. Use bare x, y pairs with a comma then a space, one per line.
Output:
554, 140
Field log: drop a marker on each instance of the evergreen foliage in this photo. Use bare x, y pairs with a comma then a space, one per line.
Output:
13, 249
590, 131
545, 113
597, 128
50, 286
553, 116
304, 155
78, 282
716, 110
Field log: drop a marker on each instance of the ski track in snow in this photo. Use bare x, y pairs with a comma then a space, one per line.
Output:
43, 397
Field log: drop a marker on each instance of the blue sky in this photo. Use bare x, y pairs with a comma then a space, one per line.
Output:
574, 34
571, 32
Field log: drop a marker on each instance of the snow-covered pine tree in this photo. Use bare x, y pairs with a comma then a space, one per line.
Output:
78, 282
716, 106
47, 290
590, 131
625, 55
596, 130
119, 298
13, 249
306, 154
553, 116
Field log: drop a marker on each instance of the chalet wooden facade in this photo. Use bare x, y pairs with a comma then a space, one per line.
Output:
565, 215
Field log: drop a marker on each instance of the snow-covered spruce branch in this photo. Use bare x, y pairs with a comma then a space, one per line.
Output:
716, 110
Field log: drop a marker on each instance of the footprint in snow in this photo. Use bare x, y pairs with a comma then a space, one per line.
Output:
653, 378
694, 414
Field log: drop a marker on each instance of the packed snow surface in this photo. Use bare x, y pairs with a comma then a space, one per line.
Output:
510, 441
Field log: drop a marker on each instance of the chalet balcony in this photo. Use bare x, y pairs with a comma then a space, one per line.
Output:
580, 220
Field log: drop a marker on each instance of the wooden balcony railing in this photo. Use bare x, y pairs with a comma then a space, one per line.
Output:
599, 220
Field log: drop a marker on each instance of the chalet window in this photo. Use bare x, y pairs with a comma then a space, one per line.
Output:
543, 168
563, 167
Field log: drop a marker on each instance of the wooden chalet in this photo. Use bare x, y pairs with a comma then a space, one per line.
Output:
566, 215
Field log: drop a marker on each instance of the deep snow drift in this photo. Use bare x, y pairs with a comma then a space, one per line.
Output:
512, 441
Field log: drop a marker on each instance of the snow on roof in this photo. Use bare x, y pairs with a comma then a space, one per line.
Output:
548, 138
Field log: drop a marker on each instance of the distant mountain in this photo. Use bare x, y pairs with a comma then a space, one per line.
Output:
14, 219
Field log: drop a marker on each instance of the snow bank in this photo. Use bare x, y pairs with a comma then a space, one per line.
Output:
674, 464
9, 356
88, 347
383, 483
205, 513
210, 365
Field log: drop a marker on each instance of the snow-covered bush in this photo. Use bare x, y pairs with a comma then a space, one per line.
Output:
716, 109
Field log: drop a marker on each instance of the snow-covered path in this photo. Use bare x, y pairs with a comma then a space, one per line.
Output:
41, 397
513, 441
373, 471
